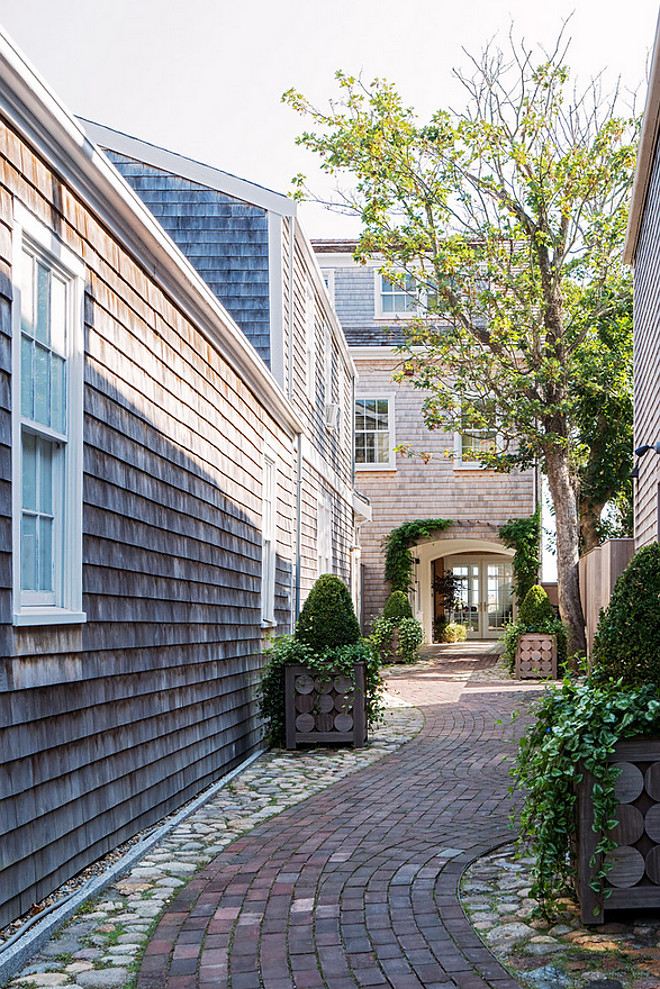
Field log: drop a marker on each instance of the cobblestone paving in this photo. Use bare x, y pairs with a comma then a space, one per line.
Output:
562, 954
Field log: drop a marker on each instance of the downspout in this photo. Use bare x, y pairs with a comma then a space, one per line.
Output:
291, 334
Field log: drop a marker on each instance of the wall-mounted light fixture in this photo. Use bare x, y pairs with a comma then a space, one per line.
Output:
639, 452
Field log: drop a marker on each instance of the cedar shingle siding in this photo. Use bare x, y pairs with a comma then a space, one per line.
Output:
105, 727
225, 239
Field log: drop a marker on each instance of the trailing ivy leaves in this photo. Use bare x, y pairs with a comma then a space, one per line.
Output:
576, 729
398, 558
322, 665
524, 536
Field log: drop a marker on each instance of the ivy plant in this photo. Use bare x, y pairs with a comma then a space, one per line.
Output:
575, 729
398, 558
524, 536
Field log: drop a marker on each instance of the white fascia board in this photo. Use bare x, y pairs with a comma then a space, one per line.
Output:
47, 125
314, 270
647, 143
344, 259
188, 168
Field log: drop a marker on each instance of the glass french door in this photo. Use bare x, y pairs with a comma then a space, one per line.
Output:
483, 597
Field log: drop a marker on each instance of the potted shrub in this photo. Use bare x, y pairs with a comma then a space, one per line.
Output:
396, 636
446, 631
591, 762
322, 684
535, 641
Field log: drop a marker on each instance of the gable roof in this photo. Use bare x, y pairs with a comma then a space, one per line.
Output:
188, 168
645, 154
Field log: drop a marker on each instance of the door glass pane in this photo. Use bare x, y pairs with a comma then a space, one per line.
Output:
29, 471
499, 595
466, 583
28, 553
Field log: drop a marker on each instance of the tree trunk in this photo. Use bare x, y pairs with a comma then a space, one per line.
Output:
589, 517
566, 516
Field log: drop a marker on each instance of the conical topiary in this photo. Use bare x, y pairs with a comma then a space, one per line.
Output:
536, 608
327, 618
397, 607
627, 642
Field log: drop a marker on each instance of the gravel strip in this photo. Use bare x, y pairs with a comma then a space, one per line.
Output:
563, 954
102, 945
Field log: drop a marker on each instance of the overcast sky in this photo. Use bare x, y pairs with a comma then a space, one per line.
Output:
205, 77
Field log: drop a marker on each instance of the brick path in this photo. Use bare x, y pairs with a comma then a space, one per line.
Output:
357, 886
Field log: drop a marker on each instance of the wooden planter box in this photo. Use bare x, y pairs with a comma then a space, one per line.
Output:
536, 656
332, 711
634, 882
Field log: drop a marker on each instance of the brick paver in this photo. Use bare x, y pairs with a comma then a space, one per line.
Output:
357, 886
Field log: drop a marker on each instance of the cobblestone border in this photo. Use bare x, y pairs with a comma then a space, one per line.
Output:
563, 954
101, 946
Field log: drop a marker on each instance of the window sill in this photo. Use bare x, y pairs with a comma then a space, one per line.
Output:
470, 465
48, 616
268, 623
381, 468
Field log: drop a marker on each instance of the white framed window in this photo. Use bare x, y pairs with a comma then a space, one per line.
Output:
402, 299
474, 437
328, 276
310, 342
374, 433
324, 533
47, 395
268, 537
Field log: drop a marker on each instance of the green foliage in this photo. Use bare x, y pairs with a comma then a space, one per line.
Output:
397, 607
627, 643
380, 640
327, 618
330, 662
551, 626
411, 636
280, 653
505, 221
535, 609
524, 536
398, 558
576, 725
446, 631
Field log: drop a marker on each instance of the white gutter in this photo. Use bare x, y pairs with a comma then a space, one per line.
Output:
44, 122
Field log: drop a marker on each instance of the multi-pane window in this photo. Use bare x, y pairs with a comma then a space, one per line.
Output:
47, 431
373, 432
476, 437
268, 510
398, 298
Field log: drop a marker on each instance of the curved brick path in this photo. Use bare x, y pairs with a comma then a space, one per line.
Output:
357, 886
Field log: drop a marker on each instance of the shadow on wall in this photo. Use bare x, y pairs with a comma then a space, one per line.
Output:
113, 724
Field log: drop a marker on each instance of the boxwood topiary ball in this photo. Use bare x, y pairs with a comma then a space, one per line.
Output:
536, 608
627, 643
327, 618
397, 607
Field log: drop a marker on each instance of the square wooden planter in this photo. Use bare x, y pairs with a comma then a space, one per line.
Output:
536, 656
634, 881
331, 711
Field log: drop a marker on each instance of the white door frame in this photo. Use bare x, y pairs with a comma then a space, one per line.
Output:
481, 608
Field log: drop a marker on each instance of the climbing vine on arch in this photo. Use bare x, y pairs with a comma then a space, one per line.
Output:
396, 545
524, 536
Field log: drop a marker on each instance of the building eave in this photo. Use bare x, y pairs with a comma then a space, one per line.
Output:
647, 145
29, 105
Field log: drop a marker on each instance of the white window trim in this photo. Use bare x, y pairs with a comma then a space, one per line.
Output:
470, 465
329, 279
391, 398
324, 547
269, 566
68, 594
419, 312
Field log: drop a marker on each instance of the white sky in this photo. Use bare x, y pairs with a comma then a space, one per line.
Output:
204, 77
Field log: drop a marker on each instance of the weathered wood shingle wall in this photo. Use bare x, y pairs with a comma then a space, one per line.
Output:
647, 361
106, 727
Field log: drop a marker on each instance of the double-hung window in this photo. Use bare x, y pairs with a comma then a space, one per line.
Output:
268, 530
46, 426
476, 437
374, 433
397, 298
